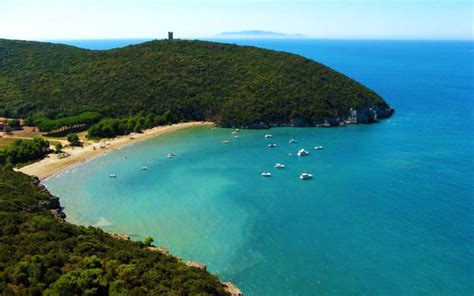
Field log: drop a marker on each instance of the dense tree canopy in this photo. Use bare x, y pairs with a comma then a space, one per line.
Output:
112, 127
194, 80
22, 151
43, 255
46, 124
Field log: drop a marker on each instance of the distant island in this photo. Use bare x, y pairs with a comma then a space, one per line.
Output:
258, 34
168, 81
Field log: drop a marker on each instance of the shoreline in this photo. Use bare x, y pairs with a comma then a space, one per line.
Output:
52, 165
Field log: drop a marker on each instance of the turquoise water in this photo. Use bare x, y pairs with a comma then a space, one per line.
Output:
389, 212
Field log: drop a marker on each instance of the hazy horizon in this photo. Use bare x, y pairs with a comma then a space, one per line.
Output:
191, 19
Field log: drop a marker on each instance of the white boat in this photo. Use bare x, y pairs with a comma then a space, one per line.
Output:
225, 141
292, 141
144, 168
112, 176
306, 176
266, 174
234, 133
170, 155
272, 145
302, 152
279, 165
268, 136
235, 136
237, 130
318, 147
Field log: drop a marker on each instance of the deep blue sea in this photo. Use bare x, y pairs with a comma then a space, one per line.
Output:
390, 210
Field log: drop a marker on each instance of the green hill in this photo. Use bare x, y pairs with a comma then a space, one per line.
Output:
43, 255
232, 85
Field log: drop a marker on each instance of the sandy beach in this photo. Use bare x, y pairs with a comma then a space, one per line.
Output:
53, 165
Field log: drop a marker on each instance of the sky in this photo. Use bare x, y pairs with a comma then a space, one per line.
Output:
337, 19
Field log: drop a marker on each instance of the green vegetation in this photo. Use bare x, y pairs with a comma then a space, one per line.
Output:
43, 255
73, 140
109, 128
148, 241
194, 80
46, 125
14, 124
58, 147
22, 151
5, 142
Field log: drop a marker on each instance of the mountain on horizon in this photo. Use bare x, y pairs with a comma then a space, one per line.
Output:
259, 33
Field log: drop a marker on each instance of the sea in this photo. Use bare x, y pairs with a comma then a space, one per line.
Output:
390, 210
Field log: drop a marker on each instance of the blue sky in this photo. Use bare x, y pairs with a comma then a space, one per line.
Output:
354, 19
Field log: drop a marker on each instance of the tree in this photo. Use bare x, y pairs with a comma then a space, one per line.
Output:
7, 129
58, 147
148, 241
29, 121
14, 123
73, 139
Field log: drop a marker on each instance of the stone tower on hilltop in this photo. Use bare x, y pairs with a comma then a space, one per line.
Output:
170, 35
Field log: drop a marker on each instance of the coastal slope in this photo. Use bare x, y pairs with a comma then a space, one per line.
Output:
41, 254
233, 86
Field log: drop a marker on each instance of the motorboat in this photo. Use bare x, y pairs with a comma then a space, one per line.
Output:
318, 147
292, 141
306, 176
144, 168
266, 174
279, 165
225, 141
170, 155
236, 136
268, 136
302, 152
272, 145
112, 176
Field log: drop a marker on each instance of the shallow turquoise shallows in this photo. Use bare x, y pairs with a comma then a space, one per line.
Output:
390, 209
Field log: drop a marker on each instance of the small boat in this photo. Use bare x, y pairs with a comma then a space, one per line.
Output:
306, 176
302, 152
266, 174
268, 136
235, 136
225, 141
237, 130
279, 165
112, 176
144, 168
318, 147
170, 155
272, 145
234, 133
292, 141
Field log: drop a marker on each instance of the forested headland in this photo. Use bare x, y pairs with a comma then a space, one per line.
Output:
232, 85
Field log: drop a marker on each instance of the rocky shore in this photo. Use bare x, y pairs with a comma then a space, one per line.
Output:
363, 115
